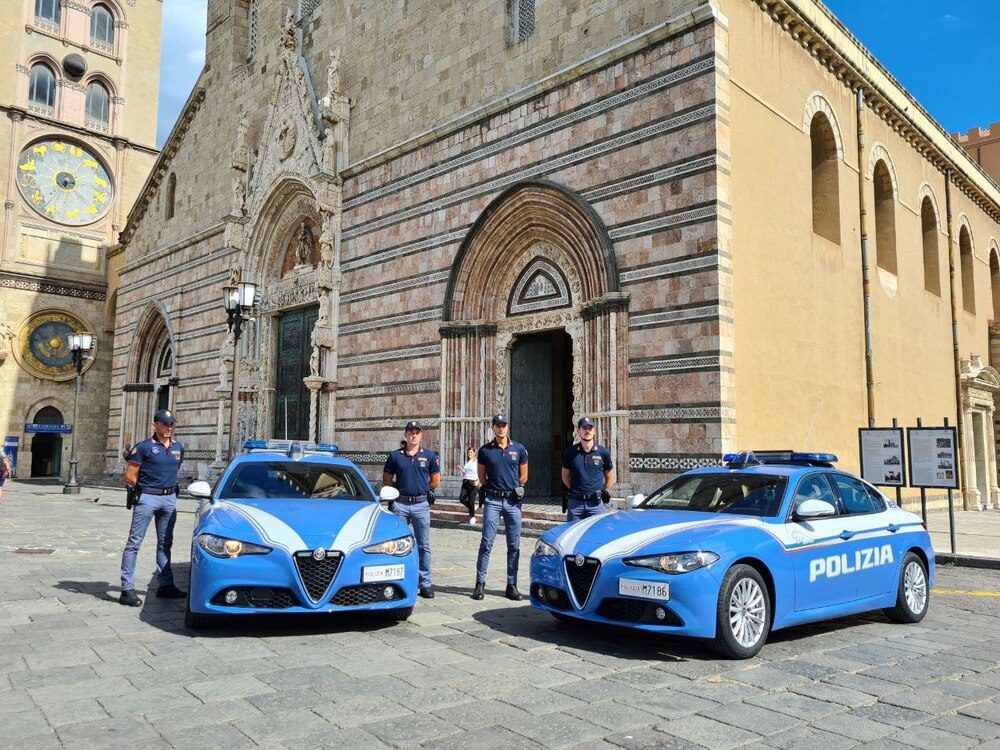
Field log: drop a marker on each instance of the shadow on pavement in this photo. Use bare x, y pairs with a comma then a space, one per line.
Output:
98, 589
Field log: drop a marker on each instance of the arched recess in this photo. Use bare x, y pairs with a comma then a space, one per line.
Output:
825, 168
41, 454
538, 259
930, 229
150, 383
995, 280
967, 263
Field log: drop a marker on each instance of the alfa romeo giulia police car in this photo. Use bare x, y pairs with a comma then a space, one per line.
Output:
730, 553
291, 528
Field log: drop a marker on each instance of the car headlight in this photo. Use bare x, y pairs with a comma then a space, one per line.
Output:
218, 546
678, 562
544, 549
397, 547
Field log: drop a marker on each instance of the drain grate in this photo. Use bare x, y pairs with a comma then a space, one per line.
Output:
33, 551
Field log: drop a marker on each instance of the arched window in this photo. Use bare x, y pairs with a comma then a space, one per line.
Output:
42, 86
48, 415
102, 26
98, 105
171, 191
48, 10
825, 182
253, 13
995, 283
968, 272
932, 267
885, 218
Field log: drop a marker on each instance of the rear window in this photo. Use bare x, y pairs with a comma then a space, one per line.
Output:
745, 494
293, 480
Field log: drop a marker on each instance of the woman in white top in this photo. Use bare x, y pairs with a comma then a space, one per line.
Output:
470, 482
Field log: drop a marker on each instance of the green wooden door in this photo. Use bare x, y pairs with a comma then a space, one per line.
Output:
291, 407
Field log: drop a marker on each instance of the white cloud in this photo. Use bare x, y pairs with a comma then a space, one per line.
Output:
182, 56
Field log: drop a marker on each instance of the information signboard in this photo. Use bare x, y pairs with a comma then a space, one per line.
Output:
883, 460
63, 429
10, 444
933, 457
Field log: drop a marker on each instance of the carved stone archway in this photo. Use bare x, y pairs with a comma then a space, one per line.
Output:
980, 385
537, 259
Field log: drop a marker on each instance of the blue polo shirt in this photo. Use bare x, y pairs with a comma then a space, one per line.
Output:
586, 468
412, 473
502, 465
158, 465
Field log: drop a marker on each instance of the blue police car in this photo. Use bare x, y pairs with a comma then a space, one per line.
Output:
730, 553
291, 528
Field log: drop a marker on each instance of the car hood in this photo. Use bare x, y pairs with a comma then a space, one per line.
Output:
297, 524
636, 531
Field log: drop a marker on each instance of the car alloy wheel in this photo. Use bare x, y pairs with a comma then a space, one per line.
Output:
747, 611
915, 587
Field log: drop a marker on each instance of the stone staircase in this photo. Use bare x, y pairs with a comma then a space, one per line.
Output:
536, 519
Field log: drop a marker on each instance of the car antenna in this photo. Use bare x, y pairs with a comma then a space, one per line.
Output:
812, 424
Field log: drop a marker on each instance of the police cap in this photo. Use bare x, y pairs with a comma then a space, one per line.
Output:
499, 419
413, 425
585, 422
164, 416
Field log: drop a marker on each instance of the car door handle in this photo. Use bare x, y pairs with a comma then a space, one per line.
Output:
893, 528
845, 534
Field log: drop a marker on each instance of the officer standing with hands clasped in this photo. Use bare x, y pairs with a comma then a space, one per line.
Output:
588, 472
503, 470
415, 472
152, 472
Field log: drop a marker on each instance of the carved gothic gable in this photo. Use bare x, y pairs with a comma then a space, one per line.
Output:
541, 286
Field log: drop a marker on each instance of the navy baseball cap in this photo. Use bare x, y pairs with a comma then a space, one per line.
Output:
164, 416
413, 425
499, 419
585, 422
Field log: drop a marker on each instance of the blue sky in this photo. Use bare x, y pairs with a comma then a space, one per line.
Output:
947, 54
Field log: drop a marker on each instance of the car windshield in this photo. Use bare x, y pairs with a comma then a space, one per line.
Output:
746, 494
293, 479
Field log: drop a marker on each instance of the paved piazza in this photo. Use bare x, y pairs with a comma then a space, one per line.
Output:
79, 671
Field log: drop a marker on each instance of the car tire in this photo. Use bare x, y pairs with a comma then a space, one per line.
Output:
399, 615
743, 613
193, 620
913, 595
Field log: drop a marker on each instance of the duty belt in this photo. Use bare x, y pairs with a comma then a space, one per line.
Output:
585, 496
156, 491
500, 494
411, 499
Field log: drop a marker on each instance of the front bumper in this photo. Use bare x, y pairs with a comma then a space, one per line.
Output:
689, 610
274, 584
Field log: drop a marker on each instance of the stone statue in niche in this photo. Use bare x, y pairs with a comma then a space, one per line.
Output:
303, 245
227, 354
234, 274
326, 248
329, 150
333, 86
6, 336
238, 192
323, 320
314, 362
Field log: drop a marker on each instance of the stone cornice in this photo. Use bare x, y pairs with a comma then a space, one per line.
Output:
15, 112
819, 32
162, 165
48, 285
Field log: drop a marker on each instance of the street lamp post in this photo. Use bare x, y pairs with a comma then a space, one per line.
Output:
79, 345
238, 301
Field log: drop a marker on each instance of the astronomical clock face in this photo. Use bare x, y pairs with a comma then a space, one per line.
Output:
64, 182
43, 344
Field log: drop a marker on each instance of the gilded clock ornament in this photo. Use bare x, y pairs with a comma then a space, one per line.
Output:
43, 344
64, 181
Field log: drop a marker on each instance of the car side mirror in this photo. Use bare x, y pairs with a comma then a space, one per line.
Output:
634, 501
388, 494
809, 510
200, 490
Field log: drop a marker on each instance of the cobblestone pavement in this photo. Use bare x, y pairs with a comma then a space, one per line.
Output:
79, 671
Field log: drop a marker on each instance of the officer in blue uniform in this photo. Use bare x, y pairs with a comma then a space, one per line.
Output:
588, 473
415, 472
503, 470
152, 470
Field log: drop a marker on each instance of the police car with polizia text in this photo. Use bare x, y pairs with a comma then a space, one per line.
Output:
292, 528
730, 553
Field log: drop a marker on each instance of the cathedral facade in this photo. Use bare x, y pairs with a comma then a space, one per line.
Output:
555, 209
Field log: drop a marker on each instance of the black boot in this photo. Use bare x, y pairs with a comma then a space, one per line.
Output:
512, 593
129, 598
479, 591
427, 592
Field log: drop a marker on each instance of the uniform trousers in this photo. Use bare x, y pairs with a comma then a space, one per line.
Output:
162, 508
418, 515
577, 510
493, 508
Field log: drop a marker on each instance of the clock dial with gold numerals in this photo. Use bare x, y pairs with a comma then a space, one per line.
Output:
63, 181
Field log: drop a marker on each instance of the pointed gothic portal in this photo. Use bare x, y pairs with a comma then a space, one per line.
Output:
535, 325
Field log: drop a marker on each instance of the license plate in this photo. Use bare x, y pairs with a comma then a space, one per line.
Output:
379, 573
655, 590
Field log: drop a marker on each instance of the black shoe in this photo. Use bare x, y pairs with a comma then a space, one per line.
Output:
479, 591
170, 592
129, 598
427, 592
512, 593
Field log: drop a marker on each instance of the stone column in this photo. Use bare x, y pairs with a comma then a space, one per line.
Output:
314, 383
991, 454
970, 494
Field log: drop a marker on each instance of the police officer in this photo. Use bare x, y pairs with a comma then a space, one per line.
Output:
588, 473
503, 470
152, 472
415, 472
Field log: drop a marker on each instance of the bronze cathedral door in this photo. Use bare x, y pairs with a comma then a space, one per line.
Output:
291, 404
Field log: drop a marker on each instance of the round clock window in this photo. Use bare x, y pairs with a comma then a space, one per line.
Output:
64, 181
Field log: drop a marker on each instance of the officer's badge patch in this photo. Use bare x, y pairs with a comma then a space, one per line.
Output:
176, 454
155, 451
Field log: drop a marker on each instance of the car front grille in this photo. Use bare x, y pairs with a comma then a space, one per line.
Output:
317, 575
370, 593
551, 597
257, 597
636, 610
581, 577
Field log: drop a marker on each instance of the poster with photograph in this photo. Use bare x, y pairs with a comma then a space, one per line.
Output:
883, 460
933, 457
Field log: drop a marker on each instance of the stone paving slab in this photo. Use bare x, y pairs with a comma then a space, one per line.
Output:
79, 671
